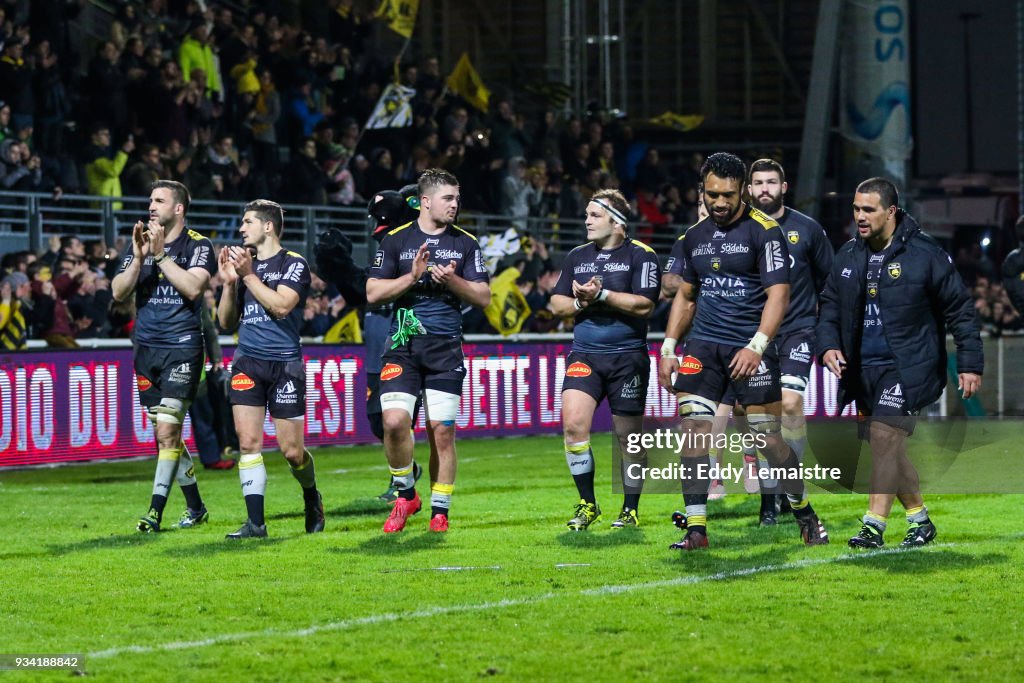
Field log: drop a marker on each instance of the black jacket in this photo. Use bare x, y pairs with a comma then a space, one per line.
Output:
920, 294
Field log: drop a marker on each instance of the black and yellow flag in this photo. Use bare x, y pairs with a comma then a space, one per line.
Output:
508, 309
400, 15
347, 329
465, 82
678, 121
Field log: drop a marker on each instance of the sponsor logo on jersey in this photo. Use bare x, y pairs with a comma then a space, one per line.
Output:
690, 366
730, 248
578, 369
407, 255
378, 258
703, 250
616, 267
143, 383
793, 236
762, 378
672, 261
390, 371
432, 242
846, 273
773, 257
199, 257
261, 266
603, 256
719, 235
287, 393
449, 254
649, 274
801, 353
585, 268
716, 264
242, 382
294, 272
895, 271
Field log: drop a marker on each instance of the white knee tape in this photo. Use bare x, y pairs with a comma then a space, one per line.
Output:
694, 407
171, 410
442, 406
794, 383
398, 400
763, 423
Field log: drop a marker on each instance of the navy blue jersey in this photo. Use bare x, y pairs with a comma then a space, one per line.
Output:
732, 267
164, 318
874, 349
810, 262
435, 305
259, 335
674, 265
631, 267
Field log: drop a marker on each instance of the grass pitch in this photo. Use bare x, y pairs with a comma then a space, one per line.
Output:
508, 593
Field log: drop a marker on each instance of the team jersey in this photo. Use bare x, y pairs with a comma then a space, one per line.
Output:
164, 318
435, 305
732, 267
874, 348
261, 336
631, 267
674, 265
810, 262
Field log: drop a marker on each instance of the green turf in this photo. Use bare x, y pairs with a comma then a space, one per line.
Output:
352, 604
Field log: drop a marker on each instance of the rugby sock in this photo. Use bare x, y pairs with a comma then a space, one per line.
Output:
877, 521
186, 477
305, 474
404, 480
797, 440
253, 475
794, 488
918, 515
580, 459
632, 486
767, 484
695, 492
440, 498
166, 467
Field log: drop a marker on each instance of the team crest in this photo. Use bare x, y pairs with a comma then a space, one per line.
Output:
793, 236
716, 264
872, 291
895, 270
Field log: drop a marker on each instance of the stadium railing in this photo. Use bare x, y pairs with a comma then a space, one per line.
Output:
28, 220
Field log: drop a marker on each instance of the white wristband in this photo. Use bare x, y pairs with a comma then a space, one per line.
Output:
668, 348
758, 343
576, 303
602, 295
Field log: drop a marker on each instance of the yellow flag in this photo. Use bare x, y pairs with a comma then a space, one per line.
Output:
678, 121
345, 330
508, 309
400, 15
465, 82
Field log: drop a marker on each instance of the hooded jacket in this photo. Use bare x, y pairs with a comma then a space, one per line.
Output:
921, 297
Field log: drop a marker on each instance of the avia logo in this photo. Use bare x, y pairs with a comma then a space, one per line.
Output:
143, 383
690, 366
869, 126
242, 382
578, 369
294, 272
390, 371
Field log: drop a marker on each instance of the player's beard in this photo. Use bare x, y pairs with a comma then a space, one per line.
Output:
725, 220
769, 204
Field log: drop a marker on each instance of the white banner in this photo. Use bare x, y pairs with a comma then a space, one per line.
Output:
393, 109
875, 78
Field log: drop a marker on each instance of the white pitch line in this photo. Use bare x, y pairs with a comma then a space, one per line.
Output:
564, 565
441, 569
440, 610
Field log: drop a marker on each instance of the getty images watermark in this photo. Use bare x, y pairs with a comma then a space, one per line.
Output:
667, 440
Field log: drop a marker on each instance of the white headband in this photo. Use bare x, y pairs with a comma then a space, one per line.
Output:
617, 215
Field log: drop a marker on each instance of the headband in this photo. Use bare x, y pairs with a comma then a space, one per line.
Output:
615, 213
